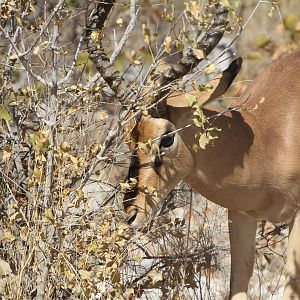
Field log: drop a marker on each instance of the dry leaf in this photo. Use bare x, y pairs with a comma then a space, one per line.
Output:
168, 44
103, 115
199, 53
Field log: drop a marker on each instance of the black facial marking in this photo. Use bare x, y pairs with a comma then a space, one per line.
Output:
157, 164
133, 172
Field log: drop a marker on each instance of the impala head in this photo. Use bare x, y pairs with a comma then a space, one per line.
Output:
162, 154
157, 168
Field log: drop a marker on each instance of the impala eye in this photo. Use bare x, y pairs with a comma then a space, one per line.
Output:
167, 140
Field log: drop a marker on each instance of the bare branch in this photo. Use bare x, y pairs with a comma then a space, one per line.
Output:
96, 51
127, 33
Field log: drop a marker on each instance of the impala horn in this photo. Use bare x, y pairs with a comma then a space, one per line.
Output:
186, 64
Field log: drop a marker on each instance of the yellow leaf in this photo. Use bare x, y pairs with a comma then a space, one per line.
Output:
8, 236
146, 33
194, 9
168, 44
4, 114
179, 45
120, 22
199, 53
24, 234
80, 194
18, 21
155, 275
210, 69
191, 99
132, 183
7, 153
95, 35
150, 190
65, 147
198, 123
71, 110
125, 186
103, 115
95, 148
48, 214
73, 159
40, 141
85, 275
93, 246
70, 275
271, 11
32, 8
203, 140
290, 22
38, 172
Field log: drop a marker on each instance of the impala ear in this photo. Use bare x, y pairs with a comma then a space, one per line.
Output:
222, 82
218, 86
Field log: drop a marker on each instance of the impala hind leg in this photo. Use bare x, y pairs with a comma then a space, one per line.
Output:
292, 288
242, 230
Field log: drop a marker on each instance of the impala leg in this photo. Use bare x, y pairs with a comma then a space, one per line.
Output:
292, 288
242, 230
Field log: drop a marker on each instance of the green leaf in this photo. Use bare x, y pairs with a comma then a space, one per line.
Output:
290, 22
254, 55
83, 57
4, 114
262, 41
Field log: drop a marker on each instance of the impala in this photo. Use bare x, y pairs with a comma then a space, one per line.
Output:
252, 167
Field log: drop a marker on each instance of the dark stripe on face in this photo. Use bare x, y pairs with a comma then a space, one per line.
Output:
133, 172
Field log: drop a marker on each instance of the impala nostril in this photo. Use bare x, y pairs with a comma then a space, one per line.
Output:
132, 216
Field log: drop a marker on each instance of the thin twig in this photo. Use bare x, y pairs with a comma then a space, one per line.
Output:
127, 33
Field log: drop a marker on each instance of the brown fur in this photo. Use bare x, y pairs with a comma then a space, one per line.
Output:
252, 168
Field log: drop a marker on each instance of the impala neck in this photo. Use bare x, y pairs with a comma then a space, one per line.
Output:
223, 165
